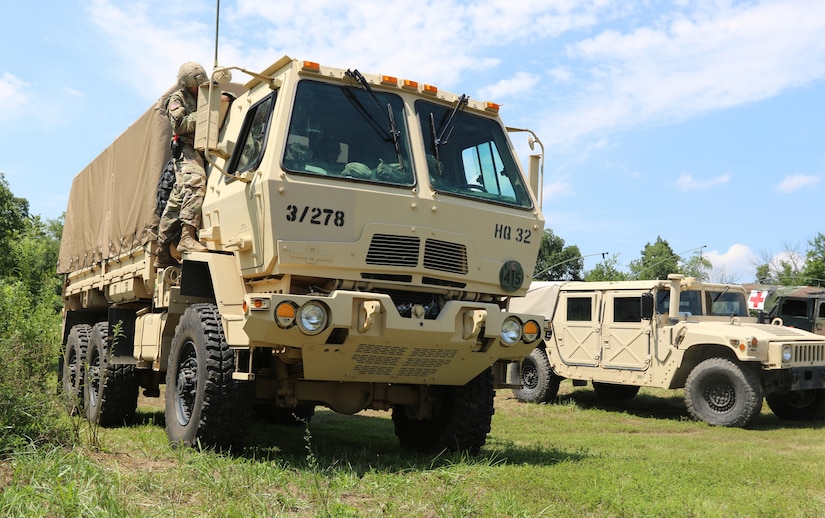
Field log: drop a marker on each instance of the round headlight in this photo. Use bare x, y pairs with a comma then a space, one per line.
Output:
787, 353
510, 331
531, 331
312, 318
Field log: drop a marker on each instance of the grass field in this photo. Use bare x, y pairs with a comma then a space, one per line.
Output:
574, 458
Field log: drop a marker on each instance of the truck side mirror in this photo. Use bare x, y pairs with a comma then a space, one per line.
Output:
647, 306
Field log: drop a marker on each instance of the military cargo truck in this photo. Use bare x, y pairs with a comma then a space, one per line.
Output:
364, 234
678, 333
802, 307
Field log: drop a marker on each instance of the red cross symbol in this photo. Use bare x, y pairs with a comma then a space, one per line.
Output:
757, 299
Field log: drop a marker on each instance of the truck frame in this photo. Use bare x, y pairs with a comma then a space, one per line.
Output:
673, 334
365, 234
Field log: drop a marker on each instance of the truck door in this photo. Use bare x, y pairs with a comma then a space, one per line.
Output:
625, 336
577, 332
797, 312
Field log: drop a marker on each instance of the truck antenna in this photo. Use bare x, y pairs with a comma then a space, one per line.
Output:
217, 24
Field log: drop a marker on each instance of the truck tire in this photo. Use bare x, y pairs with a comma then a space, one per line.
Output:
203, 404
801, 405
539, 383
723, 393
615, 393
111, 390
461, 419
74, 358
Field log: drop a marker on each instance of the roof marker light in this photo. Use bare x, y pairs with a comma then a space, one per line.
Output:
389, 80
311, 66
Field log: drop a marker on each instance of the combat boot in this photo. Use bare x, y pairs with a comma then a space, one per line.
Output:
164, 257
189, 240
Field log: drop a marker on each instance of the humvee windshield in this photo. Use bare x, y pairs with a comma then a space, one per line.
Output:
350, 133
468, 155
720, 303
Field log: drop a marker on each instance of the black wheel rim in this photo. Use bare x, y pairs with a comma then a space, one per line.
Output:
719, 395
186, 383
94, 379
529, 376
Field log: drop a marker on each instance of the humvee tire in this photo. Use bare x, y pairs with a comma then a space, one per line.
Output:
723, 393
802, 405
203, 404
111, 391
74, 358
461, 420
539, 384
615, 393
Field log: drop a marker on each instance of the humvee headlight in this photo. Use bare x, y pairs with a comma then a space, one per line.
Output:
787, 353
312, 317
531, 331
510, 331
285, 314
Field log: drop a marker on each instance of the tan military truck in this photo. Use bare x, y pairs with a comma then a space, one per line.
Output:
678, 333
364, 236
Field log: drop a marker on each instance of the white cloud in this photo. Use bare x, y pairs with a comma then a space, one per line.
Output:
734, 265
699, 59
519, 83
15, 98
686, 182
795, 182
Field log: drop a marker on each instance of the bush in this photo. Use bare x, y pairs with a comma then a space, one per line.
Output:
30, 408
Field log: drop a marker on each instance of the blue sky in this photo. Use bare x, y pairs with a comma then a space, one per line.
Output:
700, 121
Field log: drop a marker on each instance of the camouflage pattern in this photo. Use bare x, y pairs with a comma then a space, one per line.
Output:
186, 199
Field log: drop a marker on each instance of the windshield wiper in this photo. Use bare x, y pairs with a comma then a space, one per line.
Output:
442, 135
394, 132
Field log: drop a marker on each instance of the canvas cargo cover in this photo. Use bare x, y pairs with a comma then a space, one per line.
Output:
540, 299
112, 201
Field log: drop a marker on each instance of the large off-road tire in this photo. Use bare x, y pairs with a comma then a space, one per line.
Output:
204, 406
111, 390
460, 421
74, 358
802, 405
723, 393
539, 383
615, 393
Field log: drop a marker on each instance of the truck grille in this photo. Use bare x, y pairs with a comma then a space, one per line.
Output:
809, 354
404, 251
445, 257
391, 250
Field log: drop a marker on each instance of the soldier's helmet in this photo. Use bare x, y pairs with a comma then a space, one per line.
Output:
191, 75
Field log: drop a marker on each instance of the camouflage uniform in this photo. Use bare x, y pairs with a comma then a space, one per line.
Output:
186, 200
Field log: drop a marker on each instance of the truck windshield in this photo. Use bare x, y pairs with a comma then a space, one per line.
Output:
468, 155
349, 133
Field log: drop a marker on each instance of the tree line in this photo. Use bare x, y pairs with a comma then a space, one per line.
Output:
559, 262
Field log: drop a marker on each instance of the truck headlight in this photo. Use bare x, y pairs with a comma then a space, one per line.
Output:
787, 353
510, 331
313, 317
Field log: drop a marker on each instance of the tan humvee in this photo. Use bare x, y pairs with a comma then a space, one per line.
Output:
365, 234
679, 333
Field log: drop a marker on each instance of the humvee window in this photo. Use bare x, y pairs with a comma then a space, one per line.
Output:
349, 133
690, 303
627, 309
727, 304
579, 309
468, 155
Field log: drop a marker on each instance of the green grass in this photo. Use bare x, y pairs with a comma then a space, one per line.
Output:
573, 458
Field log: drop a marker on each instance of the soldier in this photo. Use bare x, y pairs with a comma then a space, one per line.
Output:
183, 210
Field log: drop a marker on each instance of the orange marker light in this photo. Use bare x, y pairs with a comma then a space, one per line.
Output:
409, 85
311, 66
430, 89
389, 80
492, 107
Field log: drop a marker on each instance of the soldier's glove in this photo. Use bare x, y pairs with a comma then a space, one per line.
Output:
177, 147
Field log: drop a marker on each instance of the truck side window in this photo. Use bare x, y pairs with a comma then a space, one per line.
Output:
579, 309
253, 136
627, 309
822, 311
795, 308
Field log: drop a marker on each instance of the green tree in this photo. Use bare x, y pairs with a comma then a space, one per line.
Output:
606, 270
814, 270
657, 262
14, 212
557, 262
697, 266
785, 269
